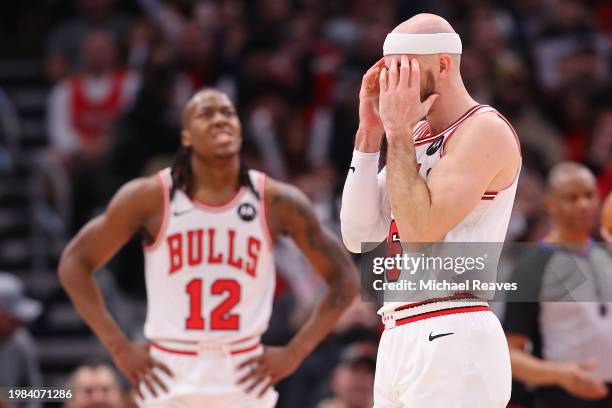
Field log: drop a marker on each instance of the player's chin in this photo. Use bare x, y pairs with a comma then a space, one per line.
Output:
227, 152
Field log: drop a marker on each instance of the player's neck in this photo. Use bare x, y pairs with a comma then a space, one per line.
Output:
218, 179
450, 107
561, 235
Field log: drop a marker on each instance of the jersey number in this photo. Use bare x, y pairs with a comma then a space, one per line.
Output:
220, 317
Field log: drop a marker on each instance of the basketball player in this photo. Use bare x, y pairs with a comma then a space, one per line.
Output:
449, 178
209, 226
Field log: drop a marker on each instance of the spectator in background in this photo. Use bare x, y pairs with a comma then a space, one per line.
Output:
18, 358
95, 386
352, 380
81, 113
528, 222
563, 305
514, 97
64, 43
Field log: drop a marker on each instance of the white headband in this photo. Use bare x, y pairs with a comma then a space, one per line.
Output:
398, 43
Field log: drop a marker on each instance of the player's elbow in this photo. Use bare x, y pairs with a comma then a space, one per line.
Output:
346, 286
69, 264
350, 243
343, 280
64, 267
354, 235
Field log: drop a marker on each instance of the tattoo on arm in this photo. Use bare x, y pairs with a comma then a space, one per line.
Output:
323, 250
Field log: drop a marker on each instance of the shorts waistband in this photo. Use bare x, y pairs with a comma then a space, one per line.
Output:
194, 348
412, 312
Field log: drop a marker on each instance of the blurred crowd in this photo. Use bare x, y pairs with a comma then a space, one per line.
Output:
119, 72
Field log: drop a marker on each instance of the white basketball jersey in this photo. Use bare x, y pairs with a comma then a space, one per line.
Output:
488, 221
210, 272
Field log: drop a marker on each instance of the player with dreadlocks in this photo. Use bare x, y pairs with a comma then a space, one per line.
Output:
208, 228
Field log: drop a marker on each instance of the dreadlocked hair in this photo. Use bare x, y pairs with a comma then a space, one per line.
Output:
182, 174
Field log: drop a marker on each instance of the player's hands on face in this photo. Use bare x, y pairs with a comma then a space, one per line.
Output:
577, 380
135, 361
370, 126
269, 368
400, 103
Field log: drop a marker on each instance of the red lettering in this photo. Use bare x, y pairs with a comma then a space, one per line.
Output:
194, 247
230, 260
212, 258
253, 247
175, 246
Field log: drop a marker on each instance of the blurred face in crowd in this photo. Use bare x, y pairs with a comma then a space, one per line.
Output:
211, 126
353, 383
98, 53
8, 324
95, 387
572, 201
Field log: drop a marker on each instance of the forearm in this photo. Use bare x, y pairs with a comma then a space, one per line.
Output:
341, 291
361, 216
77, 279
532, 370
408, 193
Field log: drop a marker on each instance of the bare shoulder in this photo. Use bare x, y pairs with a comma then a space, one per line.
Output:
139, 202
486, 133
288, 207
143, 192
490, 128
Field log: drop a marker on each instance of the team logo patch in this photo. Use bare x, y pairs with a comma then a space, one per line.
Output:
435, 146
247, 212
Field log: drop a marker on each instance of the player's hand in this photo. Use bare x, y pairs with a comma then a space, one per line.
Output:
370, 132
269, 368
400, 97
576, 379
135, 361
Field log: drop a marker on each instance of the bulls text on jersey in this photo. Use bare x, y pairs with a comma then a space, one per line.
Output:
196, 247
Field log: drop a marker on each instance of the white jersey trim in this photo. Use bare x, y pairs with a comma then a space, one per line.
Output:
263, 182
213, 208
165, 212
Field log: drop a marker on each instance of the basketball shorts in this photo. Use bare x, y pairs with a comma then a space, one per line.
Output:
443, 355
206, 376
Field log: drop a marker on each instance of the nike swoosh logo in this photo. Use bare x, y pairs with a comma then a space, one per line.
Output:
431, 337
352, 168
183, 212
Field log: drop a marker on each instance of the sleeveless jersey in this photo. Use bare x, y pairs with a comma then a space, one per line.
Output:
210, 273
487, 222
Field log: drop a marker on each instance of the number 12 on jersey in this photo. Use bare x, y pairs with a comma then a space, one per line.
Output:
221, 317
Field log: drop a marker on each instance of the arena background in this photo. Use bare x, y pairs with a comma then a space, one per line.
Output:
293, 68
